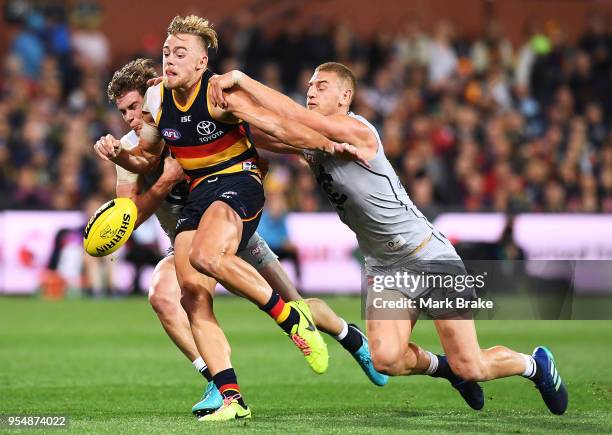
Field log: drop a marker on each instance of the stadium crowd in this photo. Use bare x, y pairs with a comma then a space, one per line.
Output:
470, 124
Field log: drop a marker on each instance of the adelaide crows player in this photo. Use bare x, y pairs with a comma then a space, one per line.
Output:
164, 193
226, 195
395, 237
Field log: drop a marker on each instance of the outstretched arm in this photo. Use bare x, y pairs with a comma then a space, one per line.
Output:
285, 130
339, 128
266, 142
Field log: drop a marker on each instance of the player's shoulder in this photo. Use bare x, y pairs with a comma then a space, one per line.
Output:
359, 119
350, 118
155, 92
153, 100
155, 89
361, 128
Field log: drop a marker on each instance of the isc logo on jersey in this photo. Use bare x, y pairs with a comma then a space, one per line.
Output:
110, 227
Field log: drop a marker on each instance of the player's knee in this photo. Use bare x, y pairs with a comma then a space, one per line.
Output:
190, 302
195, 297
191, 286
205, 262
467, 368
387, 359
163, 303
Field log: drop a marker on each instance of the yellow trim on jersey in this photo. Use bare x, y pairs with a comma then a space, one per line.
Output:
192, 98
253, 217
231, 170
161, 103
205, 162
226, 117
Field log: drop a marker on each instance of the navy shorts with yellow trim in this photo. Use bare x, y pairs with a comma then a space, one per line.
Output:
241, 191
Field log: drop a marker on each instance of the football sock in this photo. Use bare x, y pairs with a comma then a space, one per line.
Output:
439, 368
283, 314
349, 337
531, 369
227, 384
201, 366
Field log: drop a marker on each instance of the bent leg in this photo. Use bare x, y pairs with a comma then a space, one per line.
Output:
213, 253
392, 353
197, 300
165, 298
468, 361
275, 275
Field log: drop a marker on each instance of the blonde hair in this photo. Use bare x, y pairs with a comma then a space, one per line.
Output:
132, 77
342, 71
194, 25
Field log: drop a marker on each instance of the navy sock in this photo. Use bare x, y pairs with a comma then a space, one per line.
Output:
353, 340
227, 384
444, 370
206, 373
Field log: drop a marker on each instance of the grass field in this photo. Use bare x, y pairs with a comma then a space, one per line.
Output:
108, 365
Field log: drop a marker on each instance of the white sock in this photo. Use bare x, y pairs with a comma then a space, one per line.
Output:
433, 363
344, 331
199, 364
530, 366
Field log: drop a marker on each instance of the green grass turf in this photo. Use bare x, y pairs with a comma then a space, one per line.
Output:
108, 365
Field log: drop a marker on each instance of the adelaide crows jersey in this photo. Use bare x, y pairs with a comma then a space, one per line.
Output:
202, 145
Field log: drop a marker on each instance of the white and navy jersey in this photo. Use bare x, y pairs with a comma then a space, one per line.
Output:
170, 210
373, 203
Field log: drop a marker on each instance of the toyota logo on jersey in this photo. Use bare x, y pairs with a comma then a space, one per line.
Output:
206, 127
208, 131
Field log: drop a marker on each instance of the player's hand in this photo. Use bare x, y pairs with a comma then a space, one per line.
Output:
173, 172
348, 152
107, 147
217, 84
155, 81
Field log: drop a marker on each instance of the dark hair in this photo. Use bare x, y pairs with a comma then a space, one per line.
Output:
132, 77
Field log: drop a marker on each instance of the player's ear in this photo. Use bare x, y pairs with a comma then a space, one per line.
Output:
345, 98
203, 61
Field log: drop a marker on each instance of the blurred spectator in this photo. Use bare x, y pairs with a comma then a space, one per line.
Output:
493, 49
90, 45
469, 124
441, 55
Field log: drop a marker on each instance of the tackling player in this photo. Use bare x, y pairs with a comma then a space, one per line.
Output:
395, 237
187, 42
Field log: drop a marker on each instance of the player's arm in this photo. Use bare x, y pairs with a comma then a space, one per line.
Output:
149, 201
264, 141
143, 158
240, 105
339, 128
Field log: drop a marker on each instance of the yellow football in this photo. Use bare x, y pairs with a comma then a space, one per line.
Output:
110, 227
